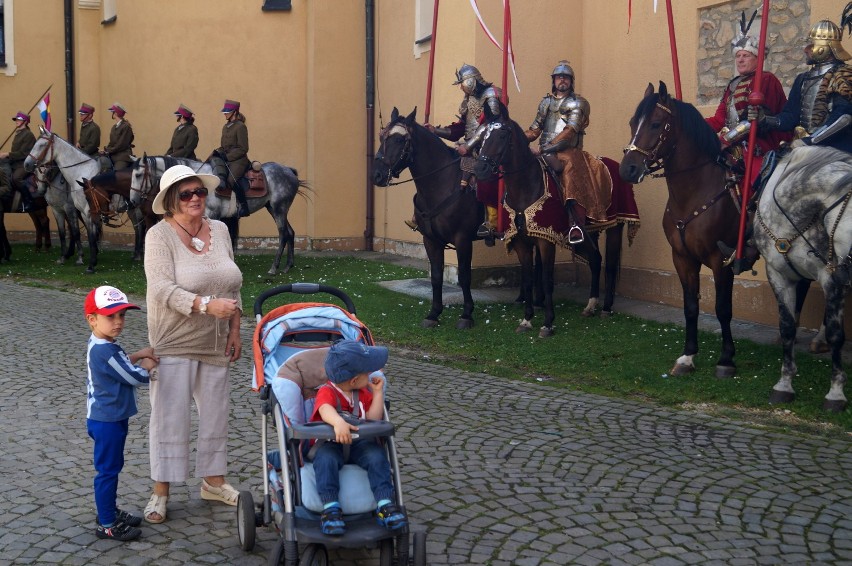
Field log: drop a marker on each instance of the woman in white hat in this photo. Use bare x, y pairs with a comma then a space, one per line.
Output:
194, 309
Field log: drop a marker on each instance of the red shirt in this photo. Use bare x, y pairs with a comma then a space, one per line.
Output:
329, 394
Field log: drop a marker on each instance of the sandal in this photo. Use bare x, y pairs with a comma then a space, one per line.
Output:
156, 505
225, 493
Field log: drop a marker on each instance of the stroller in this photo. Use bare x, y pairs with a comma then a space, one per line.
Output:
290, 500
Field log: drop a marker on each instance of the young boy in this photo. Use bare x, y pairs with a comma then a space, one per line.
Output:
111, 402
352, 389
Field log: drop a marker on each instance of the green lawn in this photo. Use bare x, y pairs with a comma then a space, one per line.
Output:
621, 356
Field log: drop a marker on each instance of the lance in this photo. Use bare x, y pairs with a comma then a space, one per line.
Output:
431, 60
755, 98
504, 97
673, 45
31, 109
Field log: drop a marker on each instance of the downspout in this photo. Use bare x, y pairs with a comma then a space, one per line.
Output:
369, 231
69, 68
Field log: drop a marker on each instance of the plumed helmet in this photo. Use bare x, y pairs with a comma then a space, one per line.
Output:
825, 38
562, 68
468, 77
743, 41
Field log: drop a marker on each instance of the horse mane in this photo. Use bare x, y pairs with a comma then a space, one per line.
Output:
692, 123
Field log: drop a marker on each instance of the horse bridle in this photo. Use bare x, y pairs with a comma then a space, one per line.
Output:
492, 163
404, 159
653, 162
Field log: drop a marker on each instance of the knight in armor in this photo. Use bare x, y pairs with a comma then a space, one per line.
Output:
185, 136
90, 133
12, 161
732, 118
477, 94
120, 146
560, 125
234, 150
819, 110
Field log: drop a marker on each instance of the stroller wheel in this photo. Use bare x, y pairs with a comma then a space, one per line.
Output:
246, 526
314, 555
419, 558
386, 552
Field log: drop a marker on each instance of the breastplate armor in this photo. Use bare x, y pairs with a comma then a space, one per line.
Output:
472, 107
553, 121
732, 117
810, 90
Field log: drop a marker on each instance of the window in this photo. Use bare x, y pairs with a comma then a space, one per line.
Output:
423, 12
275, 5
7, 38
2, 40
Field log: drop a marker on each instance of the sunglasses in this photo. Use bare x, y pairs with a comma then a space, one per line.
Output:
186, 196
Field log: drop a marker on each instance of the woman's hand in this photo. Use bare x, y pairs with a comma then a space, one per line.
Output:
234, 346
222, 308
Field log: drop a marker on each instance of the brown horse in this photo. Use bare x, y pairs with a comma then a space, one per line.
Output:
671, 135
38, 214
540, 221
101, 189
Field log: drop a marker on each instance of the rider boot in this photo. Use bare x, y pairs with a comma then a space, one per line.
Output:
575, 233
488, 229
750, 255
240, 188
26, 195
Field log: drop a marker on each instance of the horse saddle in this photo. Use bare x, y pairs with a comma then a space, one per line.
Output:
254, 182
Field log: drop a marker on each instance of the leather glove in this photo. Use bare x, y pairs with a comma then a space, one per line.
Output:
768, 123
755, 113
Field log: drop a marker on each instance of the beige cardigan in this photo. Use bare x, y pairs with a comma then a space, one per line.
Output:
175, 276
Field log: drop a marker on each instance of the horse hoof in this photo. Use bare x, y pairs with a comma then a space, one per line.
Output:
272, 273
819, 347
781, 397
545, 332
522, 329
587, 313
464, 324
606, 314
834, 405
427, 323
90, 270
726, 371
681, 369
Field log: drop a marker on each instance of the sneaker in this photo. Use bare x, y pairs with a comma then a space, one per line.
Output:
127, 518
391, 517
119, 531
331, 521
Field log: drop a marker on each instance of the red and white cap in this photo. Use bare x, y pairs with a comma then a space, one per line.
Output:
106, 300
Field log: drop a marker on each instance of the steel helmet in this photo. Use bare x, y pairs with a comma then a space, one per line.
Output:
825, 38
563, 68
468, 76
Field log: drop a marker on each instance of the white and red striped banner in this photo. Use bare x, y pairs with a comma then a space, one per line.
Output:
497, 43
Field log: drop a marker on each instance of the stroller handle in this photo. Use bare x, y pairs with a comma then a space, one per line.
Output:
302, 289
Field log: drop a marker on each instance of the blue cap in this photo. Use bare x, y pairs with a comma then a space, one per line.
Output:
348, 358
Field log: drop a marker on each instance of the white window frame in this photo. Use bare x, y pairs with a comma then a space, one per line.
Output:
423, 12
10, 70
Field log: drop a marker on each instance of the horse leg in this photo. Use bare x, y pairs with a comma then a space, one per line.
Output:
592, 254
818, 344
435, 253
786, 294
39, 234
547, 254
76, 239
524, 251
724, 279
94, 230
464, 256
538, 283
612, 268
835, 400
138, 235
688, 272
5, 246
286, 237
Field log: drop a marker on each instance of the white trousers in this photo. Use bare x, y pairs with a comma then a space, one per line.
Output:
181, 381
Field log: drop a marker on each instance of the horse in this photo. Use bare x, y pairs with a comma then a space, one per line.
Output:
540, 220
41, 223
100, 191
445, 214
803, 230
53, 186
282, 182
671, 135
74, 165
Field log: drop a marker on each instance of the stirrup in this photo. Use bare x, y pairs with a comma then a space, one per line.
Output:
573, 238
413, 225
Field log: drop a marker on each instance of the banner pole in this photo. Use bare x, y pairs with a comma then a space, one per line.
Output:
673, 45
434, 42
31, 109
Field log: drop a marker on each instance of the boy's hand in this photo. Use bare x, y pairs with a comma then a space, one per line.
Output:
343, 432
146, 353
147, 364
376, 382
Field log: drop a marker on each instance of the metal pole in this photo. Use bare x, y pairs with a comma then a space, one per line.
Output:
434, 41
673, 44
370, 228
504, 97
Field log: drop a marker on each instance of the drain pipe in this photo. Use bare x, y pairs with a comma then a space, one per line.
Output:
369, 231
69, 69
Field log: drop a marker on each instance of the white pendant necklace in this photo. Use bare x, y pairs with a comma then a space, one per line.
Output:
196, 242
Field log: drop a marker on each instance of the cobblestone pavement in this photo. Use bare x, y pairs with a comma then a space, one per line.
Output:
497, 472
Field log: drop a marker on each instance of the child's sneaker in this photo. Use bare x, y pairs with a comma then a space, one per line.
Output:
118, 531
391, 517
331, 521
127, 518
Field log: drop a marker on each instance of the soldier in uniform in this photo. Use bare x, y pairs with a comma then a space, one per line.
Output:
477, 94
90, 133
560, 125
234, 149
12, 161
120, 145
819, 110
185, 136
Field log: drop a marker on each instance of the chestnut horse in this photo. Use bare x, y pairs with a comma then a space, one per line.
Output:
671, 135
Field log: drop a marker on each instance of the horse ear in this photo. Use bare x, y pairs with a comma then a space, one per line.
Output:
394, 114
41, 130
648, 91
82, 182
411, 118
664, 92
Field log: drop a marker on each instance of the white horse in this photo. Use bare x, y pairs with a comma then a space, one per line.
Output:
283, 184
75, 166
803, 228
54, 187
